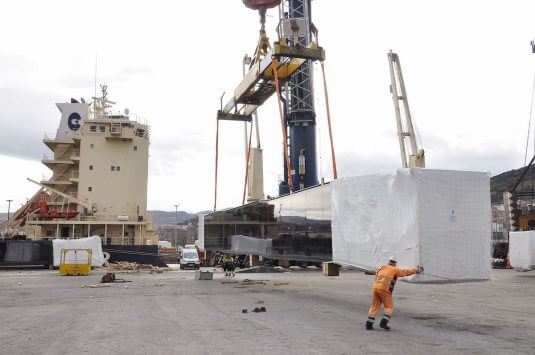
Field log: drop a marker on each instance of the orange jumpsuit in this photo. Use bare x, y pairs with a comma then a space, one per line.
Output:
385, 280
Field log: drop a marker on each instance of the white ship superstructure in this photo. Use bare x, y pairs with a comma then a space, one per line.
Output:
99, 164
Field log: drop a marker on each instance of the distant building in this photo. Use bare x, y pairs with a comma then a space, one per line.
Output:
498, 214
497, 227
99, 164
178, 235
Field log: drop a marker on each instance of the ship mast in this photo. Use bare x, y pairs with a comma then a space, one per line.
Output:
101, 104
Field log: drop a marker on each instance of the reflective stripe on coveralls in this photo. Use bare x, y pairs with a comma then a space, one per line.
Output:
387, 275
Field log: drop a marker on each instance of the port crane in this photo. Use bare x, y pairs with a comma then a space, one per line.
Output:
283, 68
416, 156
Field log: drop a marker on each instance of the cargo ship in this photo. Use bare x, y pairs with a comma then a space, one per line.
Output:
98, 183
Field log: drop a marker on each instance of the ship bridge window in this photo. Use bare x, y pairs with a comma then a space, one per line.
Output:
140, 132
90, 188
91, 146
93, 128
102, 128
90, 167
135, 148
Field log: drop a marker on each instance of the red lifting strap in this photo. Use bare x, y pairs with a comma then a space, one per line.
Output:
284, 138
335, 173
216, 157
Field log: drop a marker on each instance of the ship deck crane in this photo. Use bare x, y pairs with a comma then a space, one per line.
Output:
405, 127
62, 194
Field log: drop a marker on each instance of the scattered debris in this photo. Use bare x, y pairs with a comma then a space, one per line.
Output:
261, 269
244, 311
158, 285
19, 284
110, 278
253, 282
259, 309
281, 283
96, 286
107, 278
229, 282
133, 266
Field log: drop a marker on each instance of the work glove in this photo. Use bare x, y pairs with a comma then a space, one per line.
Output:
419, 270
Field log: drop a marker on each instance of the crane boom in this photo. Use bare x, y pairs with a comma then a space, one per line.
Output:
64, 195
416, 158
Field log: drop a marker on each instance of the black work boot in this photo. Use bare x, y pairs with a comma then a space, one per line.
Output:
369, 325
384, 324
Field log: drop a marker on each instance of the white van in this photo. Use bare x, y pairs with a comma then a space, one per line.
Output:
189, 259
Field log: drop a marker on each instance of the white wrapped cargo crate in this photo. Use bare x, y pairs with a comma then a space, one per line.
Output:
522, 250
93, 243
438, 219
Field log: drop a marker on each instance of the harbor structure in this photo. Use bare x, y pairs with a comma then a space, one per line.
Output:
98, 185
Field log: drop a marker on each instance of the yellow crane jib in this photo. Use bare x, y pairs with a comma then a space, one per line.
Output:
258, 84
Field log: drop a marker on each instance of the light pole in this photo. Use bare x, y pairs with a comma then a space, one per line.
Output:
176, 213
8, 207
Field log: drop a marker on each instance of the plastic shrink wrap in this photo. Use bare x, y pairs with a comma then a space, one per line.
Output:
242, 244
437, 219
522, 250
83, 243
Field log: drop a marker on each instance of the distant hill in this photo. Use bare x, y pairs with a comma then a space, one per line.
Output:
160, 217
505, 182
165, 217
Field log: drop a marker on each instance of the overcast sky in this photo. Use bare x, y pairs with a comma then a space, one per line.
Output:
468, 69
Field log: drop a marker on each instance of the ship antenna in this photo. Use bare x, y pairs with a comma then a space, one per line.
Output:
96, 61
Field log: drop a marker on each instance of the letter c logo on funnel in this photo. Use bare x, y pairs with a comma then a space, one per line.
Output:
74, 121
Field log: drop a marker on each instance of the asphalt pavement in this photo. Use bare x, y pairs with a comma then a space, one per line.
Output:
168, 313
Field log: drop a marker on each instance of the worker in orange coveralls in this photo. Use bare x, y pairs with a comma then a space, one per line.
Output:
385, 280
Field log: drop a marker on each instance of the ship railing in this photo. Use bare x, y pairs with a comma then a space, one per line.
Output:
75, 153
48, 156
75, 174
53, 136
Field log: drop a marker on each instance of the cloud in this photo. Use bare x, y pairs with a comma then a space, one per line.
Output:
121, 76
25, 115
492, 156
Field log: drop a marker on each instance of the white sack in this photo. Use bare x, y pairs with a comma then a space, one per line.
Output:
437, 219
164, 244
93, 243
522, 250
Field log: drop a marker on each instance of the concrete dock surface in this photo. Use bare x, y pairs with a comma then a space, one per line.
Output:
306, 313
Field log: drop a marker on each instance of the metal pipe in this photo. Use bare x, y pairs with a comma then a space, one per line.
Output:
284, 139
8, 207
247, 165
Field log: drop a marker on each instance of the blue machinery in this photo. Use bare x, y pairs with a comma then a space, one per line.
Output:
292, 81
299, 113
